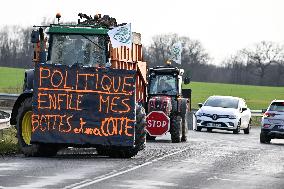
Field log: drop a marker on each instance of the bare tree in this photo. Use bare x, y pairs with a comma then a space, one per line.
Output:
193, 54
262, 56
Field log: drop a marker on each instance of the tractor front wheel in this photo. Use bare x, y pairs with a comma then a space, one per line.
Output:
140, 139
24, 133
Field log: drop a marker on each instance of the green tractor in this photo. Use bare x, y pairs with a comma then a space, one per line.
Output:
82, 92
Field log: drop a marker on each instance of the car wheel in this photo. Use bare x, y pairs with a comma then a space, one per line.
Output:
246, 130
264, 138
198, 128
237, 130
209, 130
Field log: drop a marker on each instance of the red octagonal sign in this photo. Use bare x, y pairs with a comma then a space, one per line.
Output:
158, 123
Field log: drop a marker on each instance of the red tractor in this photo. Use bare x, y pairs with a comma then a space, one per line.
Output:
168, 105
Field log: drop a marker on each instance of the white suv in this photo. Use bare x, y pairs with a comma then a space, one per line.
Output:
224, 112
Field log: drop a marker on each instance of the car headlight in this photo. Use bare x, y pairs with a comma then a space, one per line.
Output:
232, 117
199, 114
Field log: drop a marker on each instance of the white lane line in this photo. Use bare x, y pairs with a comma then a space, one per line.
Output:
89, 182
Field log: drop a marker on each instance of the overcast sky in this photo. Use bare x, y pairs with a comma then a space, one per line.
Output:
222, 26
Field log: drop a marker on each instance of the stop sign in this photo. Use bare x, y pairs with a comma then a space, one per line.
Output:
158, 123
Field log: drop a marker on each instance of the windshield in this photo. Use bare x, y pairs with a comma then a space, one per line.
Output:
277, 106
222, 102
89, 50
163, 84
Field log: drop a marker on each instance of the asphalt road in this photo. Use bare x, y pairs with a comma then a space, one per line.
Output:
208, 160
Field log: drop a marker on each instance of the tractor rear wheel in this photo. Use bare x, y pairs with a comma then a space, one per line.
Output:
24, 133
149, 137
184, 127
140, 139
176, 129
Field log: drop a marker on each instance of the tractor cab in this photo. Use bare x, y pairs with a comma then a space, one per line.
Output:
85, 43
85, 46
165, 81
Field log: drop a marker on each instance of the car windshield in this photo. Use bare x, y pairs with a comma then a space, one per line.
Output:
88, 50
277, 106
163, 84
222, 102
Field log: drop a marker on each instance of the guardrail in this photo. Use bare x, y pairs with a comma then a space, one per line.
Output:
4, 120
5, 96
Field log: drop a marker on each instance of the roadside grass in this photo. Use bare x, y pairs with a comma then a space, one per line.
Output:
11, 80
8, 141
255, 121
257, 97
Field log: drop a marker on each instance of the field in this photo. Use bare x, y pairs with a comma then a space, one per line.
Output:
11, 80
257, 97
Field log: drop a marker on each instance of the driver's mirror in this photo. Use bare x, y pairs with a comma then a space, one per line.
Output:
200, 105
186, 80
35, 36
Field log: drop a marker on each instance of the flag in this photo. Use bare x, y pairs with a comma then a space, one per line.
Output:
176, 52
121, 36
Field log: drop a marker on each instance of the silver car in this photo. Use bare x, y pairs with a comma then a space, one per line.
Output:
272, 122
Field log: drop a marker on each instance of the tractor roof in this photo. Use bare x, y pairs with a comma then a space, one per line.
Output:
167, 70
77, 29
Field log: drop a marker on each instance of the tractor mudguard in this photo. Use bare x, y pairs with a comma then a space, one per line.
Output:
17, 104
182, 106
29, 80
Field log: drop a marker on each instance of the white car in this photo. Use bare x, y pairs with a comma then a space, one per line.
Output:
224, 112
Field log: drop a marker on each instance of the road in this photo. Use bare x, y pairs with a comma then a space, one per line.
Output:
208, 160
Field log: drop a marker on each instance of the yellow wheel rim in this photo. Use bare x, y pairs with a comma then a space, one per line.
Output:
27, 127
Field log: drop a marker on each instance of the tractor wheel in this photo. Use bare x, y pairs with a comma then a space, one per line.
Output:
24, 133
140, 131
184, 127
101, 151
140, 139
176, 129
149, 137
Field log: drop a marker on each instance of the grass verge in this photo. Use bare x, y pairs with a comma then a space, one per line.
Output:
8, 141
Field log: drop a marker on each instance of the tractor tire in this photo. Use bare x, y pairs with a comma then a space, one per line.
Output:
140, 139
101, 151
184, 127
140, 127
24, 132
149, 137
176, 129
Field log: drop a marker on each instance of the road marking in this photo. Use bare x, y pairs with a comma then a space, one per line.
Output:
89, 182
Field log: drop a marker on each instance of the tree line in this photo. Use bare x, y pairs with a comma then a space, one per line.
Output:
260, 64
